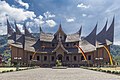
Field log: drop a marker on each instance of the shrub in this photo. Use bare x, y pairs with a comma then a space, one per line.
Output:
113, 72
20, 69
108, 71
11, 70
4, 71
17, 69
116, 72
99, 70
95, 69
58, 63
119, 72
103, 70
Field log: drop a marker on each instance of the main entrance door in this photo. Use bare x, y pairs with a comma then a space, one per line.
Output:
59, 57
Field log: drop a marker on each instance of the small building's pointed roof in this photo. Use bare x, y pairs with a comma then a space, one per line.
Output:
12, 37
27, 33
91, 38
60, 45
17, 29
36, 45
9, 28
40, 29
60, 30
101, 38
21, 40
110, 32
80, 30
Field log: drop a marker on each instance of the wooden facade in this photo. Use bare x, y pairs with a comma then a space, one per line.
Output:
61, 46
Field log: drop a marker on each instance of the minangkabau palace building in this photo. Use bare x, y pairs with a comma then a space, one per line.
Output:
73, 50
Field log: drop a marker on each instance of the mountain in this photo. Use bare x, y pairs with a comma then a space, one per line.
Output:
3, 43
115, 50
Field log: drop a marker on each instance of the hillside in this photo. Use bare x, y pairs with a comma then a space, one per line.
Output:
115, 50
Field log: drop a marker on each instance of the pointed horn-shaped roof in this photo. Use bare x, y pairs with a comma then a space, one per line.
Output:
60, 30
36, 45
21, 40
17, 29
60, 45
110, 31
91, 38
80, 30
41, 29
101, 38
9, 28
27, 33
12, 37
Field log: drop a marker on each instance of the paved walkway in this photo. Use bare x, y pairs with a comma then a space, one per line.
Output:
58, 74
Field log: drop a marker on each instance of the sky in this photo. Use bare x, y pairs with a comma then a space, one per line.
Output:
71, 14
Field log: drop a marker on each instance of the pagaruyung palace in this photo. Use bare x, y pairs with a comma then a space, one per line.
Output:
73, 50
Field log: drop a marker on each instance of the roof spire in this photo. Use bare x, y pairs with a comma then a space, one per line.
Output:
9, 28
60, 30
21, 39
40, 29
27, 33
37, 45
17, 29
91, 38
110, 31
80, 30
101, 38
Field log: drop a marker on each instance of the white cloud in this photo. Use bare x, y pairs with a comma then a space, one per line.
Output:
29, 29
51, 23
40, 17
70, 20
3, 30
20, 28
23, 4
38, 21
84, 15
90, 16
13, 13
116, 43
48, 15
83, 5
18, 14
41, 21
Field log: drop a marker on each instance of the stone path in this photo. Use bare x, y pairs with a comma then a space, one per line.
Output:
58, 74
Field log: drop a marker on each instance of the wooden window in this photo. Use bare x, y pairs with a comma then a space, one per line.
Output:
53, 45
75, 58
89, 57
67, 58
45, 58
38, 58
74, 44
30, 57
52, 58
55, 37
82, 58
67, 45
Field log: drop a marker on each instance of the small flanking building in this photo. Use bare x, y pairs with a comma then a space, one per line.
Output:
67, 48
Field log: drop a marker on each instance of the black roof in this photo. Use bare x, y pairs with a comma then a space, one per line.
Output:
101, 36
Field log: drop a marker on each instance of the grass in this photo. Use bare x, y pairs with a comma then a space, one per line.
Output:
112, 69
108, 68
10, 68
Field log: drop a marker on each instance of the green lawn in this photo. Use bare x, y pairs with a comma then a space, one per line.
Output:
10, 68
108, 68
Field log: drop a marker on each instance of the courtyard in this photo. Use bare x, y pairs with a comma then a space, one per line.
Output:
58, 74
